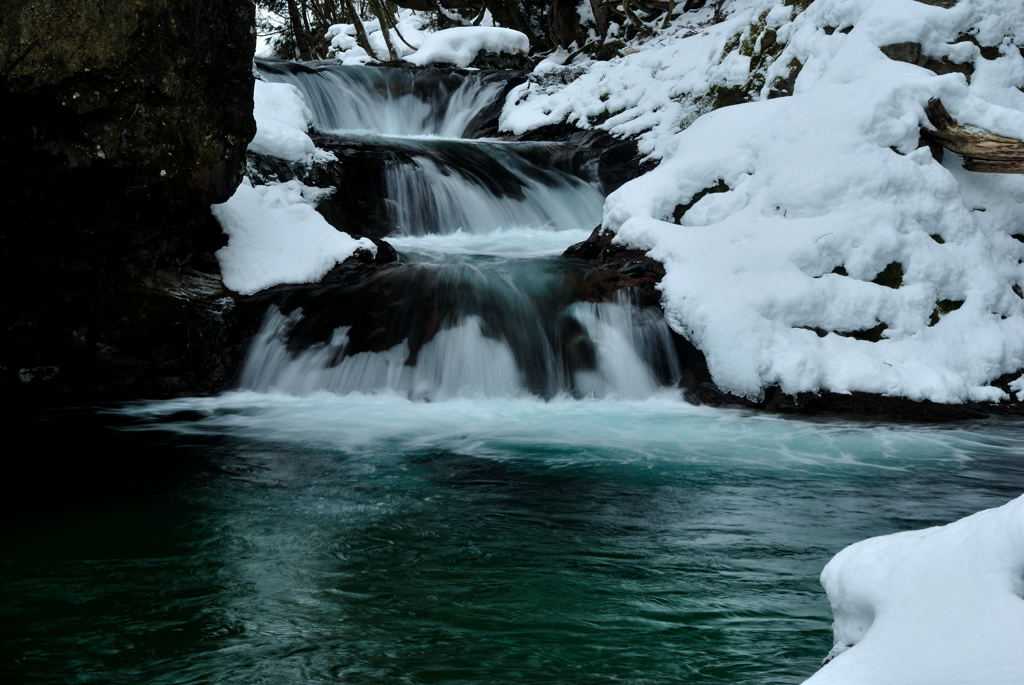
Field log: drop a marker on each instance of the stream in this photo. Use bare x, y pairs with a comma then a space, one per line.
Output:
456, 470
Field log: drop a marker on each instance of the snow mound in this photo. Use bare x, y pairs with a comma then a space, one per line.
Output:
282, 120
461, 45
942, 606
405, 38
275, 236
809, 242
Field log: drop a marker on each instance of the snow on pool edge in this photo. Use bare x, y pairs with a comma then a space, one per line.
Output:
939, 606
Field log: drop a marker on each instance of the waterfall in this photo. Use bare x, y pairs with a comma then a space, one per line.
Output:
607, 349
425, 197
464, 314
389, 100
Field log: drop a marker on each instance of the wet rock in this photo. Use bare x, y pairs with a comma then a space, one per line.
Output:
502, 61
614, 162
680, 210
608, 269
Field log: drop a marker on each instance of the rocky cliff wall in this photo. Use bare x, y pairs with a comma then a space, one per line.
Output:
125, 121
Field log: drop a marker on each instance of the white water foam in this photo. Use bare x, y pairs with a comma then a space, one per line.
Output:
515, 241
426, 198
388, 101
627, 343
564, 431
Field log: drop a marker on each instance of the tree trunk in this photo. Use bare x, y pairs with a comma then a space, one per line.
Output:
981, 150
298, 32
565, 24
386, 21
361, 38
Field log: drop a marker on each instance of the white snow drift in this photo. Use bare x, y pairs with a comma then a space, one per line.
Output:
829, 177
461, 45
275, 236
408, 36
282, 121
274, 233
414, 41
942, 606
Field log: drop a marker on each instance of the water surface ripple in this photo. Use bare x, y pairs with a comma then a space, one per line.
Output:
257, 538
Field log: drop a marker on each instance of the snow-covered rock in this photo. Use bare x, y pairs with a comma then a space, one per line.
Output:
282, 121
275, 236
405, 38
942, 606
831, 224
461, 45
415, 40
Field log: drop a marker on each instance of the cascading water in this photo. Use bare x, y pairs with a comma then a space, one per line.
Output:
460, 317
429, 198
447, 179
490, 328
359, 535
389, 101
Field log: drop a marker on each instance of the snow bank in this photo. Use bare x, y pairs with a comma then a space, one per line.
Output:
415, 40
461, 45
276, 236
824, 192
274, 233
282, 120
932, 607
411, 31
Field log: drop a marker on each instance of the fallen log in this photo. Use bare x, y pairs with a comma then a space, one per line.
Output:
981, 150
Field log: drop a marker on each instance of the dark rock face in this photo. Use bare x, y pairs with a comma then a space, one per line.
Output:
612, 268
502, 60
126, 121
614, 161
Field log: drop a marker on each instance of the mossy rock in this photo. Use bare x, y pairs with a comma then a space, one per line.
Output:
726, 96
989, 52
748, 45
731, 45
873, 334
891, 276
784, 85
943, 307
680, 210
607, 50
912, 54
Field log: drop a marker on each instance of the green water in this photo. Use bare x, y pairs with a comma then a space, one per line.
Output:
260, 539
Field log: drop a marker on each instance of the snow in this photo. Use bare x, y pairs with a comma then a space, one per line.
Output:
461, 45
412, 29
282, 121
274, 233
941, 606
1017, 386
414, 33
276, 236
828, 177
